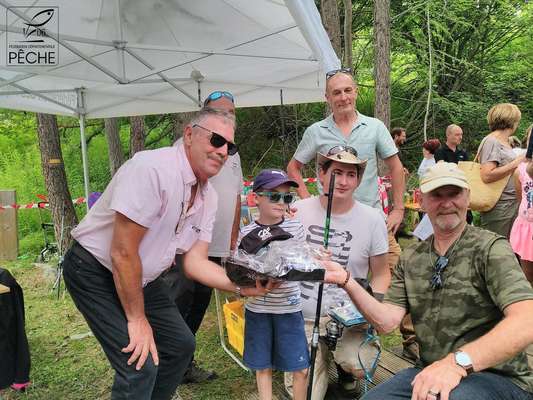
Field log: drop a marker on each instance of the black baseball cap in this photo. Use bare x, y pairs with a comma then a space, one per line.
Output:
261, 236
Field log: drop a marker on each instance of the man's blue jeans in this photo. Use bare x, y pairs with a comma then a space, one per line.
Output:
478, 386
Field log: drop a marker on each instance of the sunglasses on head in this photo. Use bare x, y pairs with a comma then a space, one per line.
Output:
334, 72
340, 149
217, 140
437, 281
276, 197
217, 95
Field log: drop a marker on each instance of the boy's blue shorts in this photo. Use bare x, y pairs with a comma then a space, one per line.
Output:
275, 341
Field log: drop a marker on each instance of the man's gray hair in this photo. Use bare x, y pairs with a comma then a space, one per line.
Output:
208, 112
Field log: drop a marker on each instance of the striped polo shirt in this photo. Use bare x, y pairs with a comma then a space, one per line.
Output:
286, 298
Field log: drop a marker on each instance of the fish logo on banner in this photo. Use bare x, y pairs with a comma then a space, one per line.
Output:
33, 39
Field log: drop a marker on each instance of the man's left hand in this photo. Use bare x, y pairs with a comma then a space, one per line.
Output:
440, 378
394, 219
260, 289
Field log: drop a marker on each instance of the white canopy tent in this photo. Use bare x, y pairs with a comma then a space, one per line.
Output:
138, 57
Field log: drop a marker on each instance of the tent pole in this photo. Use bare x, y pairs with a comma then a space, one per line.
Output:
84, 159
81, 108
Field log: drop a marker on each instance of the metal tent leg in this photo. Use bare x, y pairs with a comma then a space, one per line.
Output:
220, 322
81, 110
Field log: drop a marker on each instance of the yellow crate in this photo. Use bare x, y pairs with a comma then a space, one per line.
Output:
234, 316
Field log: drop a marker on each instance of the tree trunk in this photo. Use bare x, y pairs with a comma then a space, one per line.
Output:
136, 134
115, 153
61, 207
179, 121
331, 21
348, 56
382, 60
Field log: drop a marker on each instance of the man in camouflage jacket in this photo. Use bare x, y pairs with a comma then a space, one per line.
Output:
471, 305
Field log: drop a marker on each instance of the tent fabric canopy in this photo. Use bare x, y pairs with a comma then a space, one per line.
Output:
137, 57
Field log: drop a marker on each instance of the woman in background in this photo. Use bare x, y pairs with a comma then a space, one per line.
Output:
428, 150
499, 161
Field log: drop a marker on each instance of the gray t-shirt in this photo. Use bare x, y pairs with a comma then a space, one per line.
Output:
228, 184
354, 237
369, 137
496, 152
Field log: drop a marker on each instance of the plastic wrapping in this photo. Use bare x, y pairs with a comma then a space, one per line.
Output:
342, 309
288, 260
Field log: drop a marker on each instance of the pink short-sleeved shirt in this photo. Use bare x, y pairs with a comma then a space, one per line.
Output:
152, 189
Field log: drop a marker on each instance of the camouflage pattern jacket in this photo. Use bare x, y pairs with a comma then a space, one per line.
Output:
481, 279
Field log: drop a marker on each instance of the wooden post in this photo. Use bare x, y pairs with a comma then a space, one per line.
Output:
9, 244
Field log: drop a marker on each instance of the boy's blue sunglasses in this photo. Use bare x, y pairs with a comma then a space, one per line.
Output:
217, 95
276, 197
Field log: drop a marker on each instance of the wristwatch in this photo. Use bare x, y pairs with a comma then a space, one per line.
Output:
463, 360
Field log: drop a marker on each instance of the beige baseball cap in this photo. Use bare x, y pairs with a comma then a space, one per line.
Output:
442, 174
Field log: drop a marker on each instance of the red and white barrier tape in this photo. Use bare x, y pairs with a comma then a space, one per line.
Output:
79, 200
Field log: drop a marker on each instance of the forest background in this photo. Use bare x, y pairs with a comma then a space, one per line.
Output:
450, 61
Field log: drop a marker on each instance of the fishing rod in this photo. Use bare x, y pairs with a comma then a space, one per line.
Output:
316, 327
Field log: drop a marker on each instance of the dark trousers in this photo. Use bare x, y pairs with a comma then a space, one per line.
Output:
92, 288
192, 298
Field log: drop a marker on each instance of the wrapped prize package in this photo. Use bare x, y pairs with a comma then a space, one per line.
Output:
288, 260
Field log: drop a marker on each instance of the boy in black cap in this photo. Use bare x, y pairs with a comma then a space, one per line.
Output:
274, 328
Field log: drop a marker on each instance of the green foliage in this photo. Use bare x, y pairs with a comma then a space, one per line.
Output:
481, 56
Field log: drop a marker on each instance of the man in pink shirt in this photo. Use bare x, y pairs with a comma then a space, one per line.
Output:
157, 204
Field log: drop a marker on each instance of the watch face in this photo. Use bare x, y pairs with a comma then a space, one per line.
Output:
462, 359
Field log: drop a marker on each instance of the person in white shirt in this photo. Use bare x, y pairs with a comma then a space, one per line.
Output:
191, 297
429, 147
358, 241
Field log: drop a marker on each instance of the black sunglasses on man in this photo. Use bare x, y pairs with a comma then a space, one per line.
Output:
217, 140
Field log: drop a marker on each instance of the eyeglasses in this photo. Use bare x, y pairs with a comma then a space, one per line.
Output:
436, 280
334, 72
217, 140
340, 149
217, 95
275, 197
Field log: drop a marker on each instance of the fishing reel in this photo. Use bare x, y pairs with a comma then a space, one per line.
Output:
333, 333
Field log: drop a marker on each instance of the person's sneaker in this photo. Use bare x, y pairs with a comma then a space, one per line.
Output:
195, 374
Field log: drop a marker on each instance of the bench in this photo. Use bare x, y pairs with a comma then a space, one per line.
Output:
390, 363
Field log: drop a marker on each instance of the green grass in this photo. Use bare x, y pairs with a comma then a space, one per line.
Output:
68, 369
